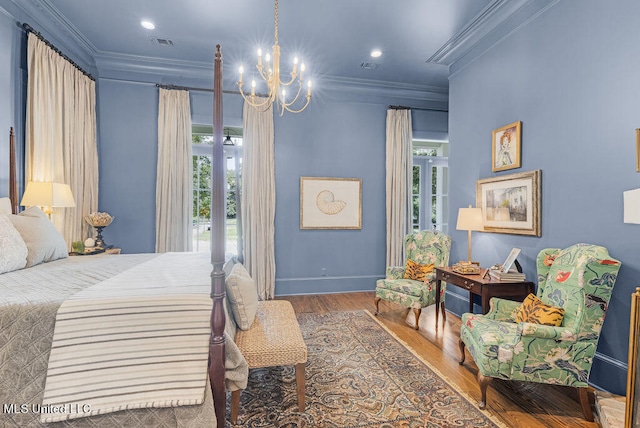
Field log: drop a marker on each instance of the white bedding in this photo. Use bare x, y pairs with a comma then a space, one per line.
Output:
138, 339
29, 300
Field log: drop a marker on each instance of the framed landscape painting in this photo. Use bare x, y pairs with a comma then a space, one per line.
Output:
511, 203
637, 149
505, 147
330, 203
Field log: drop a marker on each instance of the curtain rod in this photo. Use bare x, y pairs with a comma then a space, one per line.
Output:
417, 108
191, 88
28, 28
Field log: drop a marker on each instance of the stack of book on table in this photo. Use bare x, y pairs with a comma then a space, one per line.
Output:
511, 276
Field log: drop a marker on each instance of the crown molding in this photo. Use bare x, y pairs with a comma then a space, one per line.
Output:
154, 69
376, 91
48, 21
494, 23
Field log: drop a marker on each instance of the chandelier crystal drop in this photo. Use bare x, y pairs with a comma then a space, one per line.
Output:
269, 71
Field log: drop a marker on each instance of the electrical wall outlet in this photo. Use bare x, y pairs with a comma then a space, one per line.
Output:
323, 272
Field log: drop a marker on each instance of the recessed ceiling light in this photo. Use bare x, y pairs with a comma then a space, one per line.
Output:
376, 53
147, 24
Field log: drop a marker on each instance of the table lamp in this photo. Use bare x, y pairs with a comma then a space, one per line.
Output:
48, 195
469, 219
632, 206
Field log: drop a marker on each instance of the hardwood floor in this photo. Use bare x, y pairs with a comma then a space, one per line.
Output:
516, 404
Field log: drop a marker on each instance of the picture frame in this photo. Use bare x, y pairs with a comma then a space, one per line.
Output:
637, 149
632, 403
330, 203
511, 203
511, 258
506, 147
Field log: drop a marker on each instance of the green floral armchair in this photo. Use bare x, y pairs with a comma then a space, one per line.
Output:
424, 247
579, 279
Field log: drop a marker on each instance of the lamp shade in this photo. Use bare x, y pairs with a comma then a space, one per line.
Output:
632, 206
469, 219
47, 194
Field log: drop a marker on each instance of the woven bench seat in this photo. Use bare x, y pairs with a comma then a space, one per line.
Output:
274, 339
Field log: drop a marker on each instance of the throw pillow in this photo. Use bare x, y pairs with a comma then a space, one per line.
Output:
534, 310
13, 250
44, 242
5, 206
243, 296
416, 271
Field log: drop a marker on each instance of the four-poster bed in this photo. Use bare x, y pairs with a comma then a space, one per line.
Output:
218, 214
30, 298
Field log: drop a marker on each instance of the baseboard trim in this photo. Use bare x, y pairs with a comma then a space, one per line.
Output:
325, 285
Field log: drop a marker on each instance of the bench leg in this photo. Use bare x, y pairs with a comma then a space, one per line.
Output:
300, 383
235, 404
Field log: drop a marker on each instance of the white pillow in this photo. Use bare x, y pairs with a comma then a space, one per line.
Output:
5, 206
13, 250
243, 296
44, 242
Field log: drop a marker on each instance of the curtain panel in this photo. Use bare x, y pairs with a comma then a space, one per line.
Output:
174, 182
259, 198
60, 136
399, 178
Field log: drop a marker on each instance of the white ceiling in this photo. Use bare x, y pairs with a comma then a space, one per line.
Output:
420, 39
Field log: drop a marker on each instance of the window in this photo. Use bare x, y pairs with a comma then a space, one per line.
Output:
430, 190
202, 141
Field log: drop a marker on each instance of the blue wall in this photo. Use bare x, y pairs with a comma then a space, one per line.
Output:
571, 77
7, 95
128, 153
332, 138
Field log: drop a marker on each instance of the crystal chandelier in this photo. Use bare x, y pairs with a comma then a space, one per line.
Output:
277, 89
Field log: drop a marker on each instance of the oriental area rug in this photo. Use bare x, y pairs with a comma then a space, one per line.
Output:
358, 374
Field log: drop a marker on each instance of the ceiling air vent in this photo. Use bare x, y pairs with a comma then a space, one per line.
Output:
369, 65
160, 41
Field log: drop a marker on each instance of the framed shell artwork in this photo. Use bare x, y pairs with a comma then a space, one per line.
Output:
330, 203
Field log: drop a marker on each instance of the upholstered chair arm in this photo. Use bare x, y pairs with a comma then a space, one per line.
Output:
395, 272
430, 278
502, 309
540, 331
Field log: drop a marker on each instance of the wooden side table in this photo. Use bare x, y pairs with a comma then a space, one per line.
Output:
485, 287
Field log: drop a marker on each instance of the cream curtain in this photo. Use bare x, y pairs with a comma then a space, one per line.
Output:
60, 135
174, 183
259, 198
399, 165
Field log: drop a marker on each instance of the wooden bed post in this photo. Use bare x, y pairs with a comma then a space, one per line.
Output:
13, 174
218, 213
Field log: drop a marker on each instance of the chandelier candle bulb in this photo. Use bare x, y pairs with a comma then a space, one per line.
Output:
269, 71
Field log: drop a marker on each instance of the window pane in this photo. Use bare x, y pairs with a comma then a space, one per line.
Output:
434, 209
416, 180
439, 180
202, 165
416, 212
202, 220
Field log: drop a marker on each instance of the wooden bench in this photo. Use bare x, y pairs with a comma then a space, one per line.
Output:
274, 339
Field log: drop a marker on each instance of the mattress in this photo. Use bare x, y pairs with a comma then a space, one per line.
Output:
29, 300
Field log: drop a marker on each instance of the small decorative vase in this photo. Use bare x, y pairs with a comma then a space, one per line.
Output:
99, 221
99, 240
